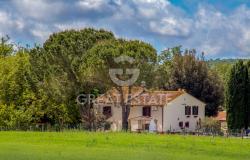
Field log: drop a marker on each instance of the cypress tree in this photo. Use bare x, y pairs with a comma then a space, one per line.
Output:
244, 108
248, 94
237, 97
230, 99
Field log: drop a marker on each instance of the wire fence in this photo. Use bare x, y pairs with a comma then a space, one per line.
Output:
80, 127
45, 128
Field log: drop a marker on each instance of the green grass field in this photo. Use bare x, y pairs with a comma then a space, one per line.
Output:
118, 146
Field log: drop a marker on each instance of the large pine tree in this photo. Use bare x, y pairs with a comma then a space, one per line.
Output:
237, 97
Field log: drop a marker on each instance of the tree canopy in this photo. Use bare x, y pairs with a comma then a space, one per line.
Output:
40, 85
187, 71
237, 97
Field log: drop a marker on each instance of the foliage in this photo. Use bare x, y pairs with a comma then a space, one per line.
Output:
6, 49
57, 68
40, 85
12, 118
101, 58
237, 97
209, 125
248, 94
192, 73
17, 98
163, 68
222, 68
64, 52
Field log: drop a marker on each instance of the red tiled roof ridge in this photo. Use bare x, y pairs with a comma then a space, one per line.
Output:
138, 92
165, 91
221, 116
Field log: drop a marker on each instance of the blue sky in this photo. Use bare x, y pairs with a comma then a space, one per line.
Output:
219, 28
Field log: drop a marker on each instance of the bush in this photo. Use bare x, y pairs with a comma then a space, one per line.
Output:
211, 126
12, 118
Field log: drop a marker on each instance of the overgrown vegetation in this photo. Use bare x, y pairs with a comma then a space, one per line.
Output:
40, 85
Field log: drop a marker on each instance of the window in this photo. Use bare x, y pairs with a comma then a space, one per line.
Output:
146, 111
107, 111
195, 110
187, 124
187, 110
181, 124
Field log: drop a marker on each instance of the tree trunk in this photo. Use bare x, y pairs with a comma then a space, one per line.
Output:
129, 105
125, 107
124, 110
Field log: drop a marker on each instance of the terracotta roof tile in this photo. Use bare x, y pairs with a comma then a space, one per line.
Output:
155, 98
140, 97
222, 116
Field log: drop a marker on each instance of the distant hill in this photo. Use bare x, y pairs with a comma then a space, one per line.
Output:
228, 61
222, 66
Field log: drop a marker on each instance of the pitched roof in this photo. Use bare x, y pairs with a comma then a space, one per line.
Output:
139, 96
155, 98
114, 96
221, 116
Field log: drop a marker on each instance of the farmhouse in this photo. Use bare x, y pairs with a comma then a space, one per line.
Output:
162, 111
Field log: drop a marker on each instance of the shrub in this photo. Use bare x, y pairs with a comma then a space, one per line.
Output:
211, 126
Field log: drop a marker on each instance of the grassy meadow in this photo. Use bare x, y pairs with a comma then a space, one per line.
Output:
118, 146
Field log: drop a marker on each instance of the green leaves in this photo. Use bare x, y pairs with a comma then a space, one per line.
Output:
101, 58
190, 72
6, 48
60, 71
42, 83
237, 97
12, 118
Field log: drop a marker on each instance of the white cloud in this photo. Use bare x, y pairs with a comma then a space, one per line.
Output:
20, 24
91, 4
8, 23
218, 33
74, 25
239, 30
38, 9
159, 4
171, 26
152, 8
148, 12
208, 17
162, 18
160, 22
41, 32
3, 17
